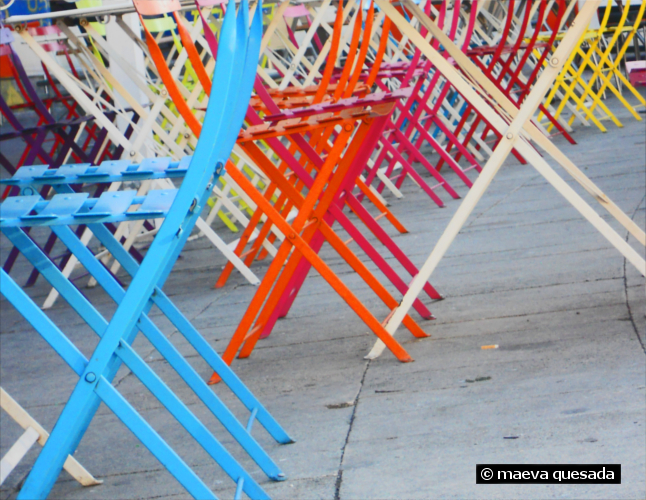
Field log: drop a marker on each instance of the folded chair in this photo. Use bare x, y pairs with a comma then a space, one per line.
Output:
466, 126
74, 135
337, 161
294, 63
250, 230
592, 70
312, 224
505, 63
97, 93
298, 69
433, 115
144, 133
515, 64
341, 44
34, 433
502, 54
417, 120
71, 136
227, 195
281, 44
461, 26
169, 127
272, 101
517, 129
233, 79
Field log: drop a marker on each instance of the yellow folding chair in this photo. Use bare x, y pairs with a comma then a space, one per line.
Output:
586, 82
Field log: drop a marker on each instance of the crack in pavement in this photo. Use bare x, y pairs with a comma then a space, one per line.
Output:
630, 313
339, 477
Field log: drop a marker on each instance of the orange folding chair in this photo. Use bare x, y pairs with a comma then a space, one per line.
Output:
333, 138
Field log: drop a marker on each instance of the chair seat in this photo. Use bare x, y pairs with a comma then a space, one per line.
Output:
108, 171
68, 209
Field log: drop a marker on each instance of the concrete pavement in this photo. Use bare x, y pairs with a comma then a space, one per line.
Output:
566, 385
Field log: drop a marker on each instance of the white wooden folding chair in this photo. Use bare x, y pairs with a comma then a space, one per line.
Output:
34, 433
518, 129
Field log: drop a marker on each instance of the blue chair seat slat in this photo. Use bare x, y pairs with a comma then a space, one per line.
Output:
106, 169
157, 202
15, 216
110, 204
43, 175
63, 172
24, 173
183, 165
156, 164
60, 205
144, 175
18, 206
148, 166
152, 168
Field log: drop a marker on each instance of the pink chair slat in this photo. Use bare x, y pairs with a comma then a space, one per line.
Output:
156, 7
296, 11
208, 32
44, 30
53, 46
399, 145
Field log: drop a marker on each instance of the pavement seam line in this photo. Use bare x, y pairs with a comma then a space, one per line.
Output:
630, 313
339, 477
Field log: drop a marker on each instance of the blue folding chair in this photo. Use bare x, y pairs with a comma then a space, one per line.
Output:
233, 80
